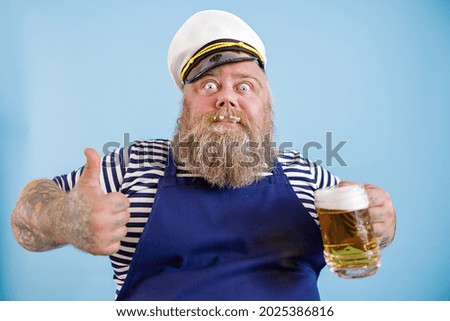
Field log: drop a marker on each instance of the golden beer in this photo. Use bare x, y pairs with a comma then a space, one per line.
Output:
350, 248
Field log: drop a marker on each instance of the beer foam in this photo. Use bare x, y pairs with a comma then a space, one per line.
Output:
349, 197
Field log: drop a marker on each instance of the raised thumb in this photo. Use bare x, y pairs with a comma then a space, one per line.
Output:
91, 171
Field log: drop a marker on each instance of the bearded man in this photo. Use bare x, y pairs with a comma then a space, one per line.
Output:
224, 135
216, 213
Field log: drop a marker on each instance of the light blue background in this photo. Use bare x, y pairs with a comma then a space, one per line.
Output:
374, 73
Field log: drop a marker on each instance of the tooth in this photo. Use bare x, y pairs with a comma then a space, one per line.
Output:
221, 117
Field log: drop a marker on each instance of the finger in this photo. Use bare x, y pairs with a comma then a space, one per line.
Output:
377, 214
91, 171
382, 238
111, 244
377, 196
118, 201
383, 225
119, 234
111, 249
116, 239
378, 230
121, 219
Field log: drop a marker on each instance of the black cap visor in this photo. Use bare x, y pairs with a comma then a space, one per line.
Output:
214, 60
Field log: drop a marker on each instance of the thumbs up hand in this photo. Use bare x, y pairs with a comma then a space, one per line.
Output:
96, 221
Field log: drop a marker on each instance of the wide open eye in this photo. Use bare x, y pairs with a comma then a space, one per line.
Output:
244, 87
210, 85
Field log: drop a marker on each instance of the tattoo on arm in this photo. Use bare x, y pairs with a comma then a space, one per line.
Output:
47, 217
76, 225
34, 218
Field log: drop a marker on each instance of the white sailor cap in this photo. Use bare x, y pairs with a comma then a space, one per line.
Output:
209, 39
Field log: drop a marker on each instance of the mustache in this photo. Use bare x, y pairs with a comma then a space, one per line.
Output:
227, 115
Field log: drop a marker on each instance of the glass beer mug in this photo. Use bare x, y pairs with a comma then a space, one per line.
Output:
350, 247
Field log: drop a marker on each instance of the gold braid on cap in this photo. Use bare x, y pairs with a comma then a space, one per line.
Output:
215, 46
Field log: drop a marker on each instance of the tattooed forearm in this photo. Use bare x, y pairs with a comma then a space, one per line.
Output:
35, 216
76, 225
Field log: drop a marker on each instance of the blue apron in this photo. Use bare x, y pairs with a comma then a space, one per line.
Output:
207, 243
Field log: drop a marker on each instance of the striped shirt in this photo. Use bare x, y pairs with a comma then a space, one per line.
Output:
136, 169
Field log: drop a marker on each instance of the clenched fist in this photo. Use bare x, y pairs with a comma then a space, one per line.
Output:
381, 212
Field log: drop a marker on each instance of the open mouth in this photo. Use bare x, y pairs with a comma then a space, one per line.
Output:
227, 119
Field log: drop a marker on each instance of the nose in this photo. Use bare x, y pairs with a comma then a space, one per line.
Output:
226, 98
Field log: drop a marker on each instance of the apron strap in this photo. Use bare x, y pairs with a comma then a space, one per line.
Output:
171, 166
